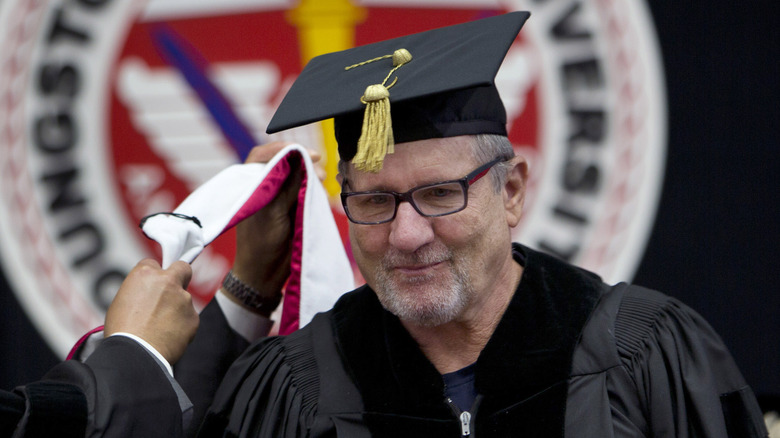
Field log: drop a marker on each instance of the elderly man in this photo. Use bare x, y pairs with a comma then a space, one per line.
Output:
457, 331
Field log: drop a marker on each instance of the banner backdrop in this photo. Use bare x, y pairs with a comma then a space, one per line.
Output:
649, 128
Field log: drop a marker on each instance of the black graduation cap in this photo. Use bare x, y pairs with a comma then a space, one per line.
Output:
440, 84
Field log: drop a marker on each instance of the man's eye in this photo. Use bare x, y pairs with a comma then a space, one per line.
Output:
440, 192
378, 199
372, 200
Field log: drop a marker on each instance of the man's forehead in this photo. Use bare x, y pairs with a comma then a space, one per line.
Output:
432, 159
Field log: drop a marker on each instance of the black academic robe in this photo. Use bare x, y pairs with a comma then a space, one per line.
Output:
571, 357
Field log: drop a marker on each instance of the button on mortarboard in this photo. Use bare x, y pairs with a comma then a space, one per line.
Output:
445, 90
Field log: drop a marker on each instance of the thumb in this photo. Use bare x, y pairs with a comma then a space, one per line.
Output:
182, 272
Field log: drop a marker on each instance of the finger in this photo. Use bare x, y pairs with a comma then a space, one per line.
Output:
321, 173
148, 262
314, 155
264, 153
182, 272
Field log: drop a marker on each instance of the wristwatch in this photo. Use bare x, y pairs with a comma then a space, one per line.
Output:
249, 296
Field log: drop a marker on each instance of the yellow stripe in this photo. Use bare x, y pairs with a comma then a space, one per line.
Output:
326, 26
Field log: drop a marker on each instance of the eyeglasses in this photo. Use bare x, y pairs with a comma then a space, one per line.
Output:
431, 200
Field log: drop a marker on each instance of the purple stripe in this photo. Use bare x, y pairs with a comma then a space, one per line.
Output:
180, 54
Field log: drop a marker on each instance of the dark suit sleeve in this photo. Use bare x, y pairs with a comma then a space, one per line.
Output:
43, 409
120, 390
685, 375
12, 408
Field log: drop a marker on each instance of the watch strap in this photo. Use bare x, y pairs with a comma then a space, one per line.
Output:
249, 296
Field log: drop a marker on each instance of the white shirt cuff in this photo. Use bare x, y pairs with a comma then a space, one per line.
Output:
148, 348
249, 325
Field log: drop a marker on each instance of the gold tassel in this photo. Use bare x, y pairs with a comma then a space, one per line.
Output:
376, 137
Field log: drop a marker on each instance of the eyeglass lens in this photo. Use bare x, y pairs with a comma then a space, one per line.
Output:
433, 200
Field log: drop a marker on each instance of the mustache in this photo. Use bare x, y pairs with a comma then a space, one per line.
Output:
426, 255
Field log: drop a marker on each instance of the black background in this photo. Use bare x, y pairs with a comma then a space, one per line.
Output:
715, 241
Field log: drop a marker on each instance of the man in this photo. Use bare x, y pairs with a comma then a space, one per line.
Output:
458, 331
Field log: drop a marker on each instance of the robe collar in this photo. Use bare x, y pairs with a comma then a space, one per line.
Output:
521, 374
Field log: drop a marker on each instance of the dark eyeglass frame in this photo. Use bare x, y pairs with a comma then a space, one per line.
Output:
464, 182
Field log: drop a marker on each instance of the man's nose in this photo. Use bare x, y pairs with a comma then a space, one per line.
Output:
410, 230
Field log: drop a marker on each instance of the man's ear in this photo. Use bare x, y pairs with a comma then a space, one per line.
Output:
514, 190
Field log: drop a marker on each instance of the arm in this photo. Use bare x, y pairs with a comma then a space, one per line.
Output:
263, 252
121, 386
262, 264
34, 410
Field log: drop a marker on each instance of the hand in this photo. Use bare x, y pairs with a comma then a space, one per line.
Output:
152, 303
263, 240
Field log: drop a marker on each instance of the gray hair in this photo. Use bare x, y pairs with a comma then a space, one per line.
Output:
485, 147
490, 146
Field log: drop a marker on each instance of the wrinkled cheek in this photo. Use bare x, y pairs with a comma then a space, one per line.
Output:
367, 252
459, 229
369, 239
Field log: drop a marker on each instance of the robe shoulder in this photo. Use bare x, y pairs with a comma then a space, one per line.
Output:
207, 359
662, 370
291, 386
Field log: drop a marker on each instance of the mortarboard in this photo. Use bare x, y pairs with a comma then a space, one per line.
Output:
440, 85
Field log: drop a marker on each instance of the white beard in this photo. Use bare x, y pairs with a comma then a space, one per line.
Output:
420, 300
